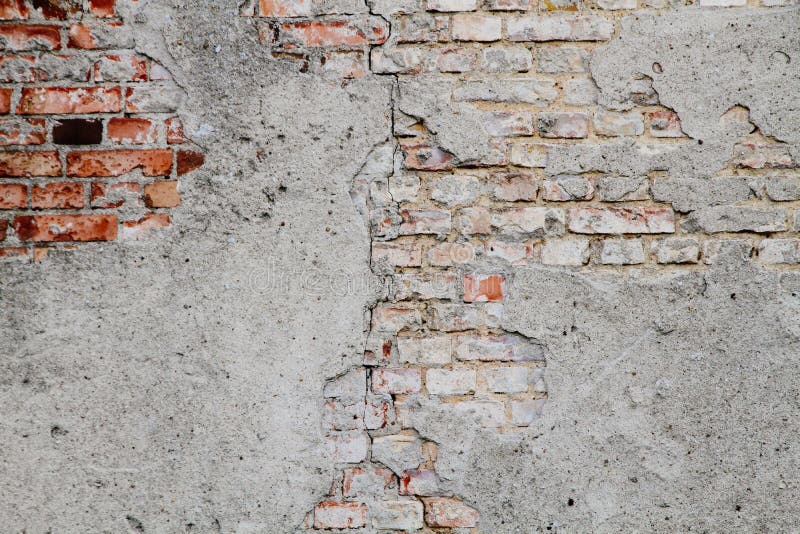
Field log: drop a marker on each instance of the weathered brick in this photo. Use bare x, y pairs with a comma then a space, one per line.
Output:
13, 196
568, 251
57, 195
11, 253
421, 28
486, 413
562, 60
456, 317
566, 188
448, 254
5, 100
90, 163
621, 189
508, 5
507, 347
396, 381
508, 123
449, 513
513, 187
104, 36
132, 131
120, 68
457, 59
366, 481
433, 350
3, 229
691, 194
19, 164
563, 125
58, 9
537, 91
397, 515
664, 124
153, 99
78, 132
528, 222
419, 482
453, 189
609, 220
736, 219
423, 286
188, 161
676, 250
22, 132
775, 251
396, 60
162, 194
580, 92
617, 4
13, 10
514, 253
783, 188
613, 124
66, 100
507, 379
19, 37
622, 252
427, 158
468, 27
425, 222
332, 33
102, 8
331, 514
134, 230
524, 413
285, 8
397, 254
115, 195
559, 28
175, 133
44, 228
393, 318
452, 5
484, 288
762, 156
450, 381
532, 155
506, 58
348, 447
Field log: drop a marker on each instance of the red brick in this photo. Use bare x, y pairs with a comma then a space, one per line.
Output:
91, 163
131, 131
30, 37
285, 8
330, 515
175, 135
47, 228
449, 513
396, 381
162, 194
22, 132
113, 195
483, 288
13, 9
428, 158
3, 229
188, 161
333, 33
58, 9
102, 8
13, 196
18, 164
57, 195
133, 230
101, 37
62, 100
5, 100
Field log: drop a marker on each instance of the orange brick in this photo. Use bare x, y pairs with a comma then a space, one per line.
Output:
114, 195
333, 33
162, 194
62, 100
18, 164
13, 196
137, 229
487, 288
13, 9
102, 8
92, 163
13, 252
30, 37
129, 131
175, 135
5, 100
58, 228
3, 229
57, 195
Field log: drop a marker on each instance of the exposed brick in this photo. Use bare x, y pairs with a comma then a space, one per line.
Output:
736, 219
429, 351
396, 381
22, 132
155, 162
153, 99
559, 28
175, 133
18, 37
78, 132
103, 36
506, 58
568, 251
57, 195
622, 252
419, 482
131, 131
65, 100
664, 124
333, 33
537, 91
5, 100
395, 317
45, 228
19, 164
188, 161
348, 447
484, 288
450, 381
563, 125
524, 413
120, 68
448, 254
783, 188
397, 254
507, 379
102, 8
58, 9
162, 194
762, 156
285, 8
425, 222
457, 59
612, 124
609, 220
360, 480
566, 188
507, 348
13, 196
428, 158
449, 513
513, 187
3, 229
775, 251
399, 452
13, 10
676, 250
452, 5
330, 514
115, 195
508, 123
397, 515
11, 253
468, 27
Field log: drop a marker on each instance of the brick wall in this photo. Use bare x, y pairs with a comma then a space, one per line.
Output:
92, 149
448, 232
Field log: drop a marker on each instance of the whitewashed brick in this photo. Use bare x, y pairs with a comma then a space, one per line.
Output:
429, 351
676, 250
450, 382
777, 251
452, 5
559, 28
622, 252
524, 413
476, 28
569, 252
506, 58
507, 379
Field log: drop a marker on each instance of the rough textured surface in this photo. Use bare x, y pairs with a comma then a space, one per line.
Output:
455, 265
